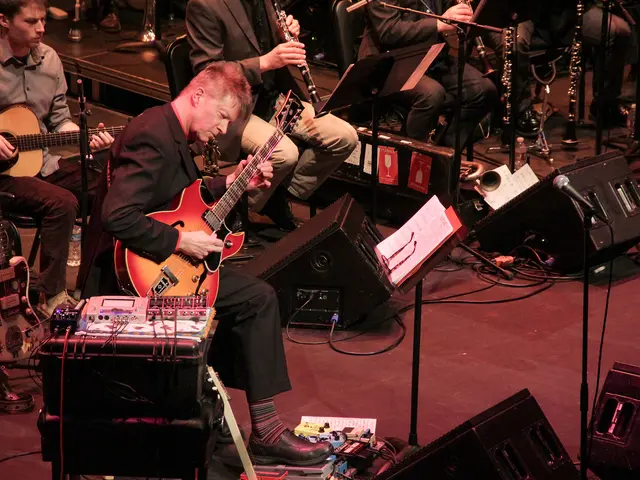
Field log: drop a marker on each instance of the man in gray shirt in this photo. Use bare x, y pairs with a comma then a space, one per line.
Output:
31, 74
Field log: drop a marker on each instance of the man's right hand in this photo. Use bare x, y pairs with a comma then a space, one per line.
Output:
199, 244
287, 53
6, 149
461, 12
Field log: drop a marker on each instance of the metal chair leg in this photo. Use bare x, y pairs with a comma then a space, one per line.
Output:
17, 241
34, 249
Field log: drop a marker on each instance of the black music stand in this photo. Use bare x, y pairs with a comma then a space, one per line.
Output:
508, 14
415, 282
374, 78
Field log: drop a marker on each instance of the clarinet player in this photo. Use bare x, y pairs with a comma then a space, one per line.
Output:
247, 32
556, 20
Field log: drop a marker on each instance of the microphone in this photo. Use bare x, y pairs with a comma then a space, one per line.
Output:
561, 182
358, 5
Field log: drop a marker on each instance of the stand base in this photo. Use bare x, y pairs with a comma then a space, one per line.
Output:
16, 402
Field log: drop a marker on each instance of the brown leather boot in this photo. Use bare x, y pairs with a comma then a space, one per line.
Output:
110, 23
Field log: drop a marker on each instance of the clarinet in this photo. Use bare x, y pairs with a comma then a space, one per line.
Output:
569, 138
509, 38
281, 18
481, 49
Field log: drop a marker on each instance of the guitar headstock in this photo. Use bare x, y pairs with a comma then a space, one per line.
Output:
289, 113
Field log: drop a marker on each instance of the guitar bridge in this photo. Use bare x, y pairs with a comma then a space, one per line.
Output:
165, 280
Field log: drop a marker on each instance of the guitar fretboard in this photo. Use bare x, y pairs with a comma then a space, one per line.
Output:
221, 209
38, 141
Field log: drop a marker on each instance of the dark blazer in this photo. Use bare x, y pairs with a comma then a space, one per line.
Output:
389, 29
220, 30
150, 164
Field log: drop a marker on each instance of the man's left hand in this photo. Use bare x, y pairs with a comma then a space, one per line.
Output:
293, 26
101, 140
261, 179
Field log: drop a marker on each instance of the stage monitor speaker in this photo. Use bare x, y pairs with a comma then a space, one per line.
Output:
615, 433
511, 441
544, 217
326, 267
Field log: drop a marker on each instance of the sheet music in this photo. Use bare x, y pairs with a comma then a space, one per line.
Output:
409, 246
511, 185
339, 423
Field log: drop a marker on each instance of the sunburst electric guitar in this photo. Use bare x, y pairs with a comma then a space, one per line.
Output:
20, 127
180, 274
20, 329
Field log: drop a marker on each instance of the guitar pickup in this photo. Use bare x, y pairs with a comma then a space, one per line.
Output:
9, 301
7, 274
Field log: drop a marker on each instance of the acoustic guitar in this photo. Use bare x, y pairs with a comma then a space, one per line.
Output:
180, 274
20, 329
20, 127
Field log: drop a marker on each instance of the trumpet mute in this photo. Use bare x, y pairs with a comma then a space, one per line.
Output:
490, 181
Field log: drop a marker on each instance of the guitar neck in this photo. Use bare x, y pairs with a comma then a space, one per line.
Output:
222, 208
38, 141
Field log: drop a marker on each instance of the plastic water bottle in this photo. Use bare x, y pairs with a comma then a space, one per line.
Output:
74, 247
521, 153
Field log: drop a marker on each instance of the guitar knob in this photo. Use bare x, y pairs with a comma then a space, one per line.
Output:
228, 244
195, 279
23, 299
28, 311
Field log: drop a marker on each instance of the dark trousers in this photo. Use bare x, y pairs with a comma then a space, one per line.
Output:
53, 201
435, 93
619, 40
247, 350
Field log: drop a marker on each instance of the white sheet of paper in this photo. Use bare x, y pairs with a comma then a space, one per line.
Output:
511, 185
338, 423
416, 240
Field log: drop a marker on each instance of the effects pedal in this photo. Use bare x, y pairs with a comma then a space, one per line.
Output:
308, 429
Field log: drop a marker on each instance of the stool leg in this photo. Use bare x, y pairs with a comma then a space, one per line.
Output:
17, 241
312, 208
34, 249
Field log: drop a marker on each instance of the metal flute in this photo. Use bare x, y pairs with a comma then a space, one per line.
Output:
281, 18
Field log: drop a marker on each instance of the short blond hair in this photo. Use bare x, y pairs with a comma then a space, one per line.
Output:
221, 79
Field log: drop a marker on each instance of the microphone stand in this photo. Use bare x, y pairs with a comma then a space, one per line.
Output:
85, 155
584, 387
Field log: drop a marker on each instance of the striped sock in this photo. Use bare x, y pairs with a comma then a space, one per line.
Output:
266, 425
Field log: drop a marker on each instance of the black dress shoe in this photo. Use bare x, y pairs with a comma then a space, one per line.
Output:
279, 211
615, 115
289, 450
528, 123
110, 23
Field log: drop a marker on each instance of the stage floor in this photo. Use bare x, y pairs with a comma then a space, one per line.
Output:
472, 357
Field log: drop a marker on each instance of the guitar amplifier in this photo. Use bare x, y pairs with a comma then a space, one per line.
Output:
125, 377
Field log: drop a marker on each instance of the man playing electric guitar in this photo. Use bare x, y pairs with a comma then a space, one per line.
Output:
149, 165
31, 74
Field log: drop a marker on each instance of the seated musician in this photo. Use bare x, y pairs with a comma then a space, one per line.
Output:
388, 29
148, 166
31, 74
555, 22
245, 31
